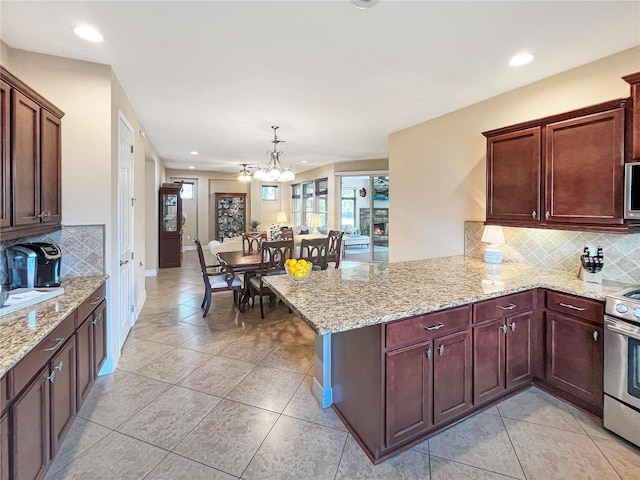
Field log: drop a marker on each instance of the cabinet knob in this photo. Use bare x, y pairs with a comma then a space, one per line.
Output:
97, 319
534, 214
60, 366
428, 352
595, 335
503, 328
547, 215
41, 215
441, 349
52, 377
513, 326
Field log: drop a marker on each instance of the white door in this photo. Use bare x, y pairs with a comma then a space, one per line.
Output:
126, 284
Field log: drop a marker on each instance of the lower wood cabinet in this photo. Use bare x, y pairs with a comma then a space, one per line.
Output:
4, 446
91, 339
63, 393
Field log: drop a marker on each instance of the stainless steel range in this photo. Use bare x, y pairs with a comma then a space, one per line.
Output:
622, 364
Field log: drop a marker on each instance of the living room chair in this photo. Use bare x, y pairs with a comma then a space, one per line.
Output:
286, 234
274, 255
252, 241
314, 251
219, 281
335, 247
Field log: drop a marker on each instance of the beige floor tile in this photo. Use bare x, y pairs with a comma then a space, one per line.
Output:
250, 348
267, 388
475, 442
218, 376
168, 419
114, 457
304, 406
553, 454
295, 449
290, 356
300, 333
355, 465
228, 437
624, 457
175, 467
536, 406
175, 334
442, 469
175, 365
591, 424
82, 435
115, 398
140, 352
212, 342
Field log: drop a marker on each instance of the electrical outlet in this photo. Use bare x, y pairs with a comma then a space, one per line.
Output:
188, 237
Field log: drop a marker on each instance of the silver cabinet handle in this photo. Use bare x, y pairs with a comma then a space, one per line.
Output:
547, 215
533, 214
97, 301
503, 328
441, 349
41, 215
52, 377
60, 366
59, 340
437, 326
595, 335
513, 326
428, 352
511, 306
572, 307
97, 319
623, 331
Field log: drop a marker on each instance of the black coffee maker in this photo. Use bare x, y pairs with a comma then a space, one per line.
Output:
33, 265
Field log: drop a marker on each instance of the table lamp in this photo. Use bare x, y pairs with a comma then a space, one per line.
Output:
494, 236
281, 218
315, 221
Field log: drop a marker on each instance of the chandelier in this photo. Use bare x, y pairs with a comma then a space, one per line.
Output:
274, 171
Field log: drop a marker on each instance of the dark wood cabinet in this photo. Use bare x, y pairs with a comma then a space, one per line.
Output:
99, 327
513, 175
4, 446
633, 118
170, 237
91, 339
63, 393
31, 161
580, 157
30, 429
84, 341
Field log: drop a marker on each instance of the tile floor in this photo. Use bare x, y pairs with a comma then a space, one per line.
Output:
229, 397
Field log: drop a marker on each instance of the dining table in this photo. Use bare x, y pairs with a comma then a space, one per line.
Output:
236, 262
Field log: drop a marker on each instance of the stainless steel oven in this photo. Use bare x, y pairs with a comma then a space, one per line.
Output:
622, 364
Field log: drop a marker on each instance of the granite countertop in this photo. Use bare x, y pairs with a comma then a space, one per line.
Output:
22, 330
336, 300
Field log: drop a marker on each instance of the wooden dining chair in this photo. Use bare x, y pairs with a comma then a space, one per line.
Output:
335, 247
274, 254
219, 281
314, 251
251, 242
286, 234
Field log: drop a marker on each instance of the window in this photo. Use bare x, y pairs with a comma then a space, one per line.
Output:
269, 193
348, 206
296, 197
187, 191
310, 197
321, 200
307, 197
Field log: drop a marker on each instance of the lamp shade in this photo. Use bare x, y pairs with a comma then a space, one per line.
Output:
315, 220
493, 234
281, 217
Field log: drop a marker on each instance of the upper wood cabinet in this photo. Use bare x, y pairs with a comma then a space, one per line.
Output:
633, 116
31, 161
561, 172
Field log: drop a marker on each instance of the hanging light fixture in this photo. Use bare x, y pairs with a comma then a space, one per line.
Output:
245, 174
274, 171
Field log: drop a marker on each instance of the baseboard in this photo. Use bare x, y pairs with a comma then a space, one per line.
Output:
151, 273
323, 395
140, 304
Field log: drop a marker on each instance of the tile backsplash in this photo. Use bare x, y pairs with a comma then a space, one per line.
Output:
561, 249
83, 250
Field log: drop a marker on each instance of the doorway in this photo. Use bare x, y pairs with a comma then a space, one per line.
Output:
189, 196
364, 217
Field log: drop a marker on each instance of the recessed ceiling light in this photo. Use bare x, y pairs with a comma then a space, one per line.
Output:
521, 59
194, 153
305, 161
363, 4
88, 33
191, 167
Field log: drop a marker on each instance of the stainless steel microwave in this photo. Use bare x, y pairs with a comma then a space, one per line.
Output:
632, 190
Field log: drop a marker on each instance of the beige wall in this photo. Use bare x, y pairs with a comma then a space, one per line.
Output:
437, 168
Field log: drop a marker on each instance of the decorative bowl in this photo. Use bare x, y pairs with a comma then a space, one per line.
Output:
298, 275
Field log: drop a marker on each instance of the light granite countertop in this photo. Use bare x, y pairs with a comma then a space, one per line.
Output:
336, 300
22, 330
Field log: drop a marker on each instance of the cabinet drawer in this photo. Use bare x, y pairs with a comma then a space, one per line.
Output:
502, 306
40, 355
426, 327
580, 307
90, 304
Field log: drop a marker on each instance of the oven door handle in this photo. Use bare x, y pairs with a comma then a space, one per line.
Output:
614, 327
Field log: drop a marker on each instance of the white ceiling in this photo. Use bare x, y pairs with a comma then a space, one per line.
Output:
213, 76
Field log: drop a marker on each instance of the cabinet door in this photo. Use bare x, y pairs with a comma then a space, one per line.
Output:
513, 176
30, 430
451, 376
99, 324
408, 392
488, 361
585, 168
84, 364
518, 350
50, 174
26, 160
575, 357
4, 447
63, 393
5, 151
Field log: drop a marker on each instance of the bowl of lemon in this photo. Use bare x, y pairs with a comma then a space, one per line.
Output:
297, 270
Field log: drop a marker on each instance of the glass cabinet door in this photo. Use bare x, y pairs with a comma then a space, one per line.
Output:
170, 212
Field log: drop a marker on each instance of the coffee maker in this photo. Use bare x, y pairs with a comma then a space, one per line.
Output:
33, 265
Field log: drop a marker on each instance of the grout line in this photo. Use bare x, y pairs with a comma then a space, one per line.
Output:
515, 451
472, 466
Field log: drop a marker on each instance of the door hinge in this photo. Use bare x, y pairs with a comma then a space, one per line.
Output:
131, 148
131, 255
132, 201
132, 309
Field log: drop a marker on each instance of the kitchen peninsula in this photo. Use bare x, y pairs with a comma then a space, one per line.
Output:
406, 349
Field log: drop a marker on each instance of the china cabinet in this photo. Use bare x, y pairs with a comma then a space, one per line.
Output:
170, 237
230, 214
